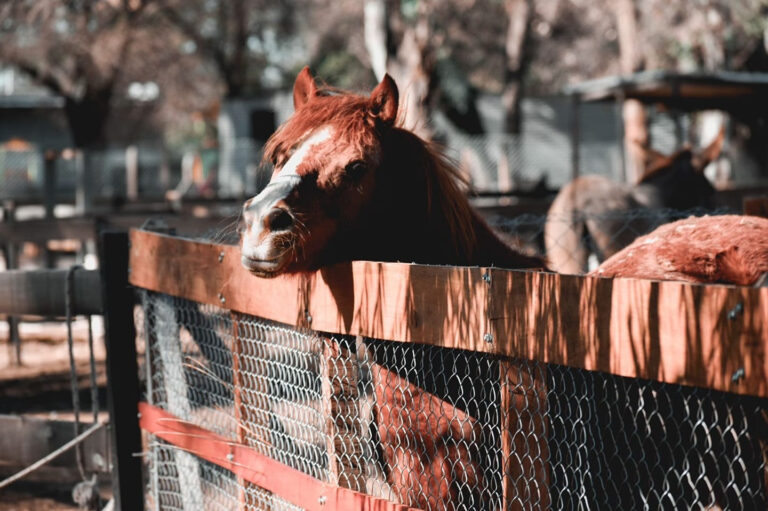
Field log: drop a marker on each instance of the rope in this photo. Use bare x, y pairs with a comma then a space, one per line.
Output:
69, 290
42, 461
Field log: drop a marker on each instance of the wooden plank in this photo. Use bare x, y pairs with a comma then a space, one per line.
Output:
667, 331
404, 302
41, 230
674, 332
294, 486
41, 292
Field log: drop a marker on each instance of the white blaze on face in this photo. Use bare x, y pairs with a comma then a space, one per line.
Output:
279, 188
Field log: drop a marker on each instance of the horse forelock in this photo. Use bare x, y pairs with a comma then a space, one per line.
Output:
347, 114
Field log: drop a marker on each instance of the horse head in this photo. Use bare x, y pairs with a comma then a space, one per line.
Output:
325, 159
680, 176
350, 183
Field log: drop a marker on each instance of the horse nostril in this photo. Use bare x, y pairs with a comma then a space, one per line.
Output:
278, 220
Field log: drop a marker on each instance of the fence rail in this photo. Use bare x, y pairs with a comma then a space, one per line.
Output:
629, 327
447, 388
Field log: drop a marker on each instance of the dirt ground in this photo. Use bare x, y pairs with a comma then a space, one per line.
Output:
11, 501
40, 387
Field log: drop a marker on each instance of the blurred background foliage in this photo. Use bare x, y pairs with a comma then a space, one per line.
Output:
126, 68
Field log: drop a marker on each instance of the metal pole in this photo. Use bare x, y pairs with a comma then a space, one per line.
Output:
122, 372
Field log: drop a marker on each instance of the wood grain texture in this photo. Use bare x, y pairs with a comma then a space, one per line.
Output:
256, 468
667, 331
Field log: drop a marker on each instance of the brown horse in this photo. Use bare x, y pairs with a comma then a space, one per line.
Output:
351, 183
726, 249
593, 214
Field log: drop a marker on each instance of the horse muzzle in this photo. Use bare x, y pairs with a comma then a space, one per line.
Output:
268, 241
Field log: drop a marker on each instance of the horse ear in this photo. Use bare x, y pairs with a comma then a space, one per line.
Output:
304, 88
711, 152
651, 157
384, 100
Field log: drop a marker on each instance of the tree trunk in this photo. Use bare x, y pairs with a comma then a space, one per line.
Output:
631, 59
411, 63
375, 31
519, 13
87, 119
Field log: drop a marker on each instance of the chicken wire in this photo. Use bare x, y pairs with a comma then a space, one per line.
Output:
437, 428
618, 229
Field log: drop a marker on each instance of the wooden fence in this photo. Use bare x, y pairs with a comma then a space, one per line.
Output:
714, 337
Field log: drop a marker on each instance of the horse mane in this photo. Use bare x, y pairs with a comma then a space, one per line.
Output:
349, 114
446, 192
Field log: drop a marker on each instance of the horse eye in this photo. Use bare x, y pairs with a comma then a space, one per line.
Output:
355, 169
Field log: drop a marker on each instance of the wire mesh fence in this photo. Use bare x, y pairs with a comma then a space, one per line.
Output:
437, 428
596, 236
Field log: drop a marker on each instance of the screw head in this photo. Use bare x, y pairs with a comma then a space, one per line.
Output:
734, 313
322, 500
487, 277
738, 374
230, 457
488, 337
221, 298
221, 256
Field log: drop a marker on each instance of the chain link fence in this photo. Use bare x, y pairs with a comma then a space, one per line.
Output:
601, 236
436, 428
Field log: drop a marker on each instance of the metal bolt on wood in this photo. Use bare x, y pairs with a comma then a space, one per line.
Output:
737, 309
221, 256
488, 338
738, 374
221, 298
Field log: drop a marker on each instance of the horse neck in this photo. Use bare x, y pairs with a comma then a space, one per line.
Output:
490, 250
405, 229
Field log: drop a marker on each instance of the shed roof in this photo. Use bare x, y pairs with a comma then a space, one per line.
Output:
724, 90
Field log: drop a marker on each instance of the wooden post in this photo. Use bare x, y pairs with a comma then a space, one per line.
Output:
49, 200
11, 252
619, 113
132, 172
122, 372
330, 353
524, 435
177, 401
575, 135
84, 163
237, 386
242, 417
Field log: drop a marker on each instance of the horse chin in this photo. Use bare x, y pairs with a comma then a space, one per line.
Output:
266, 268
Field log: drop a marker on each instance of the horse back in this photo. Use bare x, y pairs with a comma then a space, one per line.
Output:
580, 214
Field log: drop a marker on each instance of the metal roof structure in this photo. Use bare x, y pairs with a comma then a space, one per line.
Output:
723, 90
31, 101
